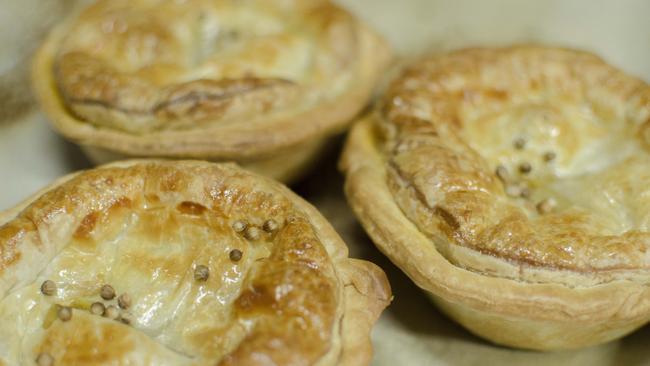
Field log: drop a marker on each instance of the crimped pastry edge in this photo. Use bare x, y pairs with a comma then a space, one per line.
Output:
486, 305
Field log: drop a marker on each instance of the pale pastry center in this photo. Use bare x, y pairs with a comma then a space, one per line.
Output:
564, 157
206, 41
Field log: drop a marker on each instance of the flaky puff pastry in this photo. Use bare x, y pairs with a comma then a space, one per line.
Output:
261, 82
513, 185
208, 265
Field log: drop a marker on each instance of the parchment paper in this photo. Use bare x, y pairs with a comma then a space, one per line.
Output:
411, 331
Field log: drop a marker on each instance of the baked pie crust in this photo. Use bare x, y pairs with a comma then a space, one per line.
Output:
264, 83
513, 185
219, 266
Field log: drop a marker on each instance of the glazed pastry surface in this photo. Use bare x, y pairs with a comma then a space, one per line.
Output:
219, 266
145, 65
264, 83
539, 157
512, 185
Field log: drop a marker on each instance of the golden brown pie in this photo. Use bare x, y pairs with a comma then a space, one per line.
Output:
513, 185
261, 82
180, 263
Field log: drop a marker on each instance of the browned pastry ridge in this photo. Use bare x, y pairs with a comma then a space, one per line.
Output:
180, 263
514, 186
261, 82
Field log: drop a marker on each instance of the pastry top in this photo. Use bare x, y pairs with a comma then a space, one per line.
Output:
144, 65
205, 77
535, 156
218, 266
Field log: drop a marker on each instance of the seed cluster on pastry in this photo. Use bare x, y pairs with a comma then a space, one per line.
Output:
64, 313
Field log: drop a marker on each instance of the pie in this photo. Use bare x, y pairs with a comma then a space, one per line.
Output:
148, 262
264, 83
513, 185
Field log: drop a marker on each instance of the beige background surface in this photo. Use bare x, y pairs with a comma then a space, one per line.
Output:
411, 331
